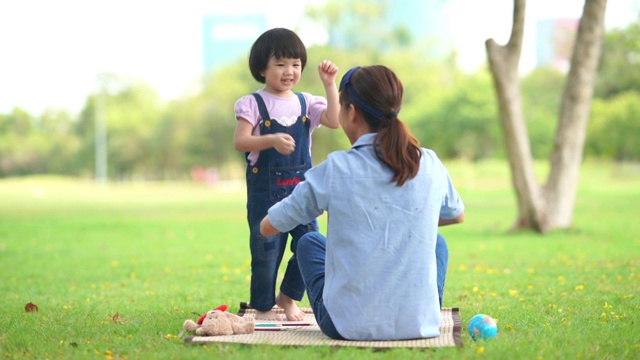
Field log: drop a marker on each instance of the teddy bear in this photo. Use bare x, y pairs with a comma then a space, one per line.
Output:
219, 322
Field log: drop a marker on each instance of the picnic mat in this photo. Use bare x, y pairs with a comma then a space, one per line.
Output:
307, 333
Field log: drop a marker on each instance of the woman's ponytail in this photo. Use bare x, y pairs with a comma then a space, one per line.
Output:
399, 150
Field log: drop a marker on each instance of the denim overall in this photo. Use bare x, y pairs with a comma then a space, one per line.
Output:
271, 179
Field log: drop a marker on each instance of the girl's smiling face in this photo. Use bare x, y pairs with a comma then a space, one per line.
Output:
281, 75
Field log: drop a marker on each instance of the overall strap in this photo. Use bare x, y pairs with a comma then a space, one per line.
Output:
262, 108
303, 104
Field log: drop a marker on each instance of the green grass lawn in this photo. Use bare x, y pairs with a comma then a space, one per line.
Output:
158, 254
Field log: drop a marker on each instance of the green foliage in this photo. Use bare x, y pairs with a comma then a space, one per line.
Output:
30, 145
132, 111
209, 141
462, 122
159, 254
132, 115
614, 129
541, 94
353, 20
453, 113
620, 62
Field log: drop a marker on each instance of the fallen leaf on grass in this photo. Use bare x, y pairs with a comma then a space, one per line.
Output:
116, 318
30, 307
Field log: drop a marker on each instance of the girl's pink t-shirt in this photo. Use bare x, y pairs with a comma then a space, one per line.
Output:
283, 110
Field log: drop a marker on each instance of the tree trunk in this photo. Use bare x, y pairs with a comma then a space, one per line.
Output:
542, 209
566, 158
503, 61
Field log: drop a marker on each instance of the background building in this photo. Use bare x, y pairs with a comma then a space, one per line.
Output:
554, 42
225, 38
373, 22
170, 44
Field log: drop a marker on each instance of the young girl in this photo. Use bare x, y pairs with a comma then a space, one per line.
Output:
379, 273
274, 127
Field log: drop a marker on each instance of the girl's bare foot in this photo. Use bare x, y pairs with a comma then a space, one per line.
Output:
268, 315
291, 310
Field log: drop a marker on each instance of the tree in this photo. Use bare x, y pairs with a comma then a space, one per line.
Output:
357, 22
542, 208
614, 127
541, 91
36, 145
458, 122
133, 111
620, 63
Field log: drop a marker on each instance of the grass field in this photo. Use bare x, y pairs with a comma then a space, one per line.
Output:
115, 270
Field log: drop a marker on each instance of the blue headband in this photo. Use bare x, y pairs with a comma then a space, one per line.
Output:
345, 83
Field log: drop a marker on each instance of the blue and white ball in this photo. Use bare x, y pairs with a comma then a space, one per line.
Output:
482, 327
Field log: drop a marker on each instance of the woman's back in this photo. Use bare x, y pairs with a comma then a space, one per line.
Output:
380, 273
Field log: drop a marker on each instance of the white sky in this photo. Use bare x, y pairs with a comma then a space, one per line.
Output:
52, 51
495, 21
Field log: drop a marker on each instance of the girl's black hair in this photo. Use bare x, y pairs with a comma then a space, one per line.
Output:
278, 42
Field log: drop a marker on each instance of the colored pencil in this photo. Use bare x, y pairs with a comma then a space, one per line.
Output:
279, 326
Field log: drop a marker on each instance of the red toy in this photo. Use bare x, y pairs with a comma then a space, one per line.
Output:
222, 307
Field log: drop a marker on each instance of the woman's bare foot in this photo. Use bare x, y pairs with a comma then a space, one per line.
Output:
268, 315
291, 310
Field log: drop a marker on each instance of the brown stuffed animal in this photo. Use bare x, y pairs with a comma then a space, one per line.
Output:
217, 322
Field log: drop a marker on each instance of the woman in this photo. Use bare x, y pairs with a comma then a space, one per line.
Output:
379, 274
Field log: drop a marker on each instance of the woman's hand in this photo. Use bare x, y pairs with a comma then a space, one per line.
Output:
266, 229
